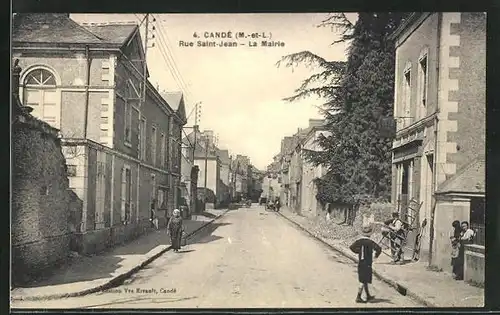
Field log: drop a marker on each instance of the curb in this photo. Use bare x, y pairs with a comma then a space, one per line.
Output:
115, 281
399, 287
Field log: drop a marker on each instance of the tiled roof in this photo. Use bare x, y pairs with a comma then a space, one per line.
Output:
59, 28
469, 179
113, 33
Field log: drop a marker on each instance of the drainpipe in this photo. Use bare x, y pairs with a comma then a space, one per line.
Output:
434, 164
87, 92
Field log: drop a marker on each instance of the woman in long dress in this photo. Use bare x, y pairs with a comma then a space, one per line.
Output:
175, 229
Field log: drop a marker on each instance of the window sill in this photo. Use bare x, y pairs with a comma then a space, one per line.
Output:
128, 144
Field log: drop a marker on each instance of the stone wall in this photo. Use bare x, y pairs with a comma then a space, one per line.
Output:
40, 201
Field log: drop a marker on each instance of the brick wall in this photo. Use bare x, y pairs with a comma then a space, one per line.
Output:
40, 203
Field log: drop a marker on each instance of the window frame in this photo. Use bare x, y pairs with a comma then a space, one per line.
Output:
423, 83
127, 122
125, 217
143, 127
154, 140
42, 88
162, 149
407, 83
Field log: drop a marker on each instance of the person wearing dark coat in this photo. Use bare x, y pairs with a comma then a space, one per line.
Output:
175, 229
365, 247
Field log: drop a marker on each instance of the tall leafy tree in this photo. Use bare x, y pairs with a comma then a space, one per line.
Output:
359, 93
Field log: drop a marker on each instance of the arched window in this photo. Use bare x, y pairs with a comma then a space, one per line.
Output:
40, 93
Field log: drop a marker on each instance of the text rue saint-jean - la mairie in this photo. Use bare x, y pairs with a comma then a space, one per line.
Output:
231, 39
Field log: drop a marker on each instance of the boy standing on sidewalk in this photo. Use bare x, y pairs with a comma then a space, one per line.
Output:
364, 247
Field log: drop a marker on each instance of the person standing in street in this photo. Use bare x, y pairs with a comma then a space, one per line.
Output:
397, 238
153, 218
175, 229
456, 261
277, 205
365, 248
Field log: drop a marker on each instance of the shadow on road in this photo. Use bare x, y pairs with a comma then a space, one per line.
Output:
377, 300
182, 251
105, 264
205, 235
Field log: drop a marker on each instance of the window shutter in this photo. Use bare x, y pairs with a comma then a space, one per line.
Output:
124, 191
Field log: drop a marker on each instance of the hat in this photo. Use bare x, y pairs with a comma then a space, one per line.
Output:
176, 212
366, 230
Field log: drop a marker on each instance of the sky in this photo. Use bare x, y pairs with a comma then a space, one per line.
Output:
241, 89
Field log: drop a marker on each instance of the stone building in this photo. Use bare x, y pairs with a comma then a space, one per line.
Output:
122, 139
206, 158
439, 148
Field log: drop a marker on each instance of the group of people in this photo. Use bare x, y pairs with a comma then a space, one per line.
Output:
462, 235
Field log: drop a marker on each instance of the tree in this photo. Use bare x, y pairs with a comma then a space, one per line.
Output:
358, 94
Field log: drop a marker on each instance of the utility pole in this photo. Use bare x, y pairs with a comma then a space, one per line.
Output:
143, 100
195, 127
206, 166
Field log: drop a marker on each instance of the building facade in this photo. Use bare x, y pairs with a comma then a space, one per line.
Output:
438, 151
310, 205
122, 146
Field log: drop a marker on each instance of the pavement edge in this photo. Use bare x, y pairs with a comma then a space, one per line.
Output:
380, 276
119, 278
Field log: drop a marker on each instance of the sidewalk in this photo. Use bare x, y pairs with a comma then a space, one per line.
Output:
433, 289
92, 274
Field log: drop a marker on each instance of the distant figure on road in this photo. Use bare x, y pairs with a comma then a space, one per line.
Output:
175, 229
364, 247
278, 205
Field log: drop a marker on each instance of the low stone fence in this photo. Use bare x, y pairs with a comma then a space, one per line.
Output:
474, 264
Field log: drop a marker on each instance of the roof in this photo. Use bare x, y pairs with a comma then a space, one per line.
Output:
60, 28
469, 179
113, 33
224, 157
408, 21
173, 99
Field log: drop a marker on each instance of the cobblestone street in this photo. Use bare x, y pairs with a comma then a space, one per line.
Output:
248, 258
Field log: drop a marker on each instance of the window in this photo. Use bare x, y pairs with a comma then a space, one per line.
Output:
153, 188
153, 145
407, 98
128, 122
40, 93
126, 194
71, 170
422, 88
142, 139
162, 202
162, 150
